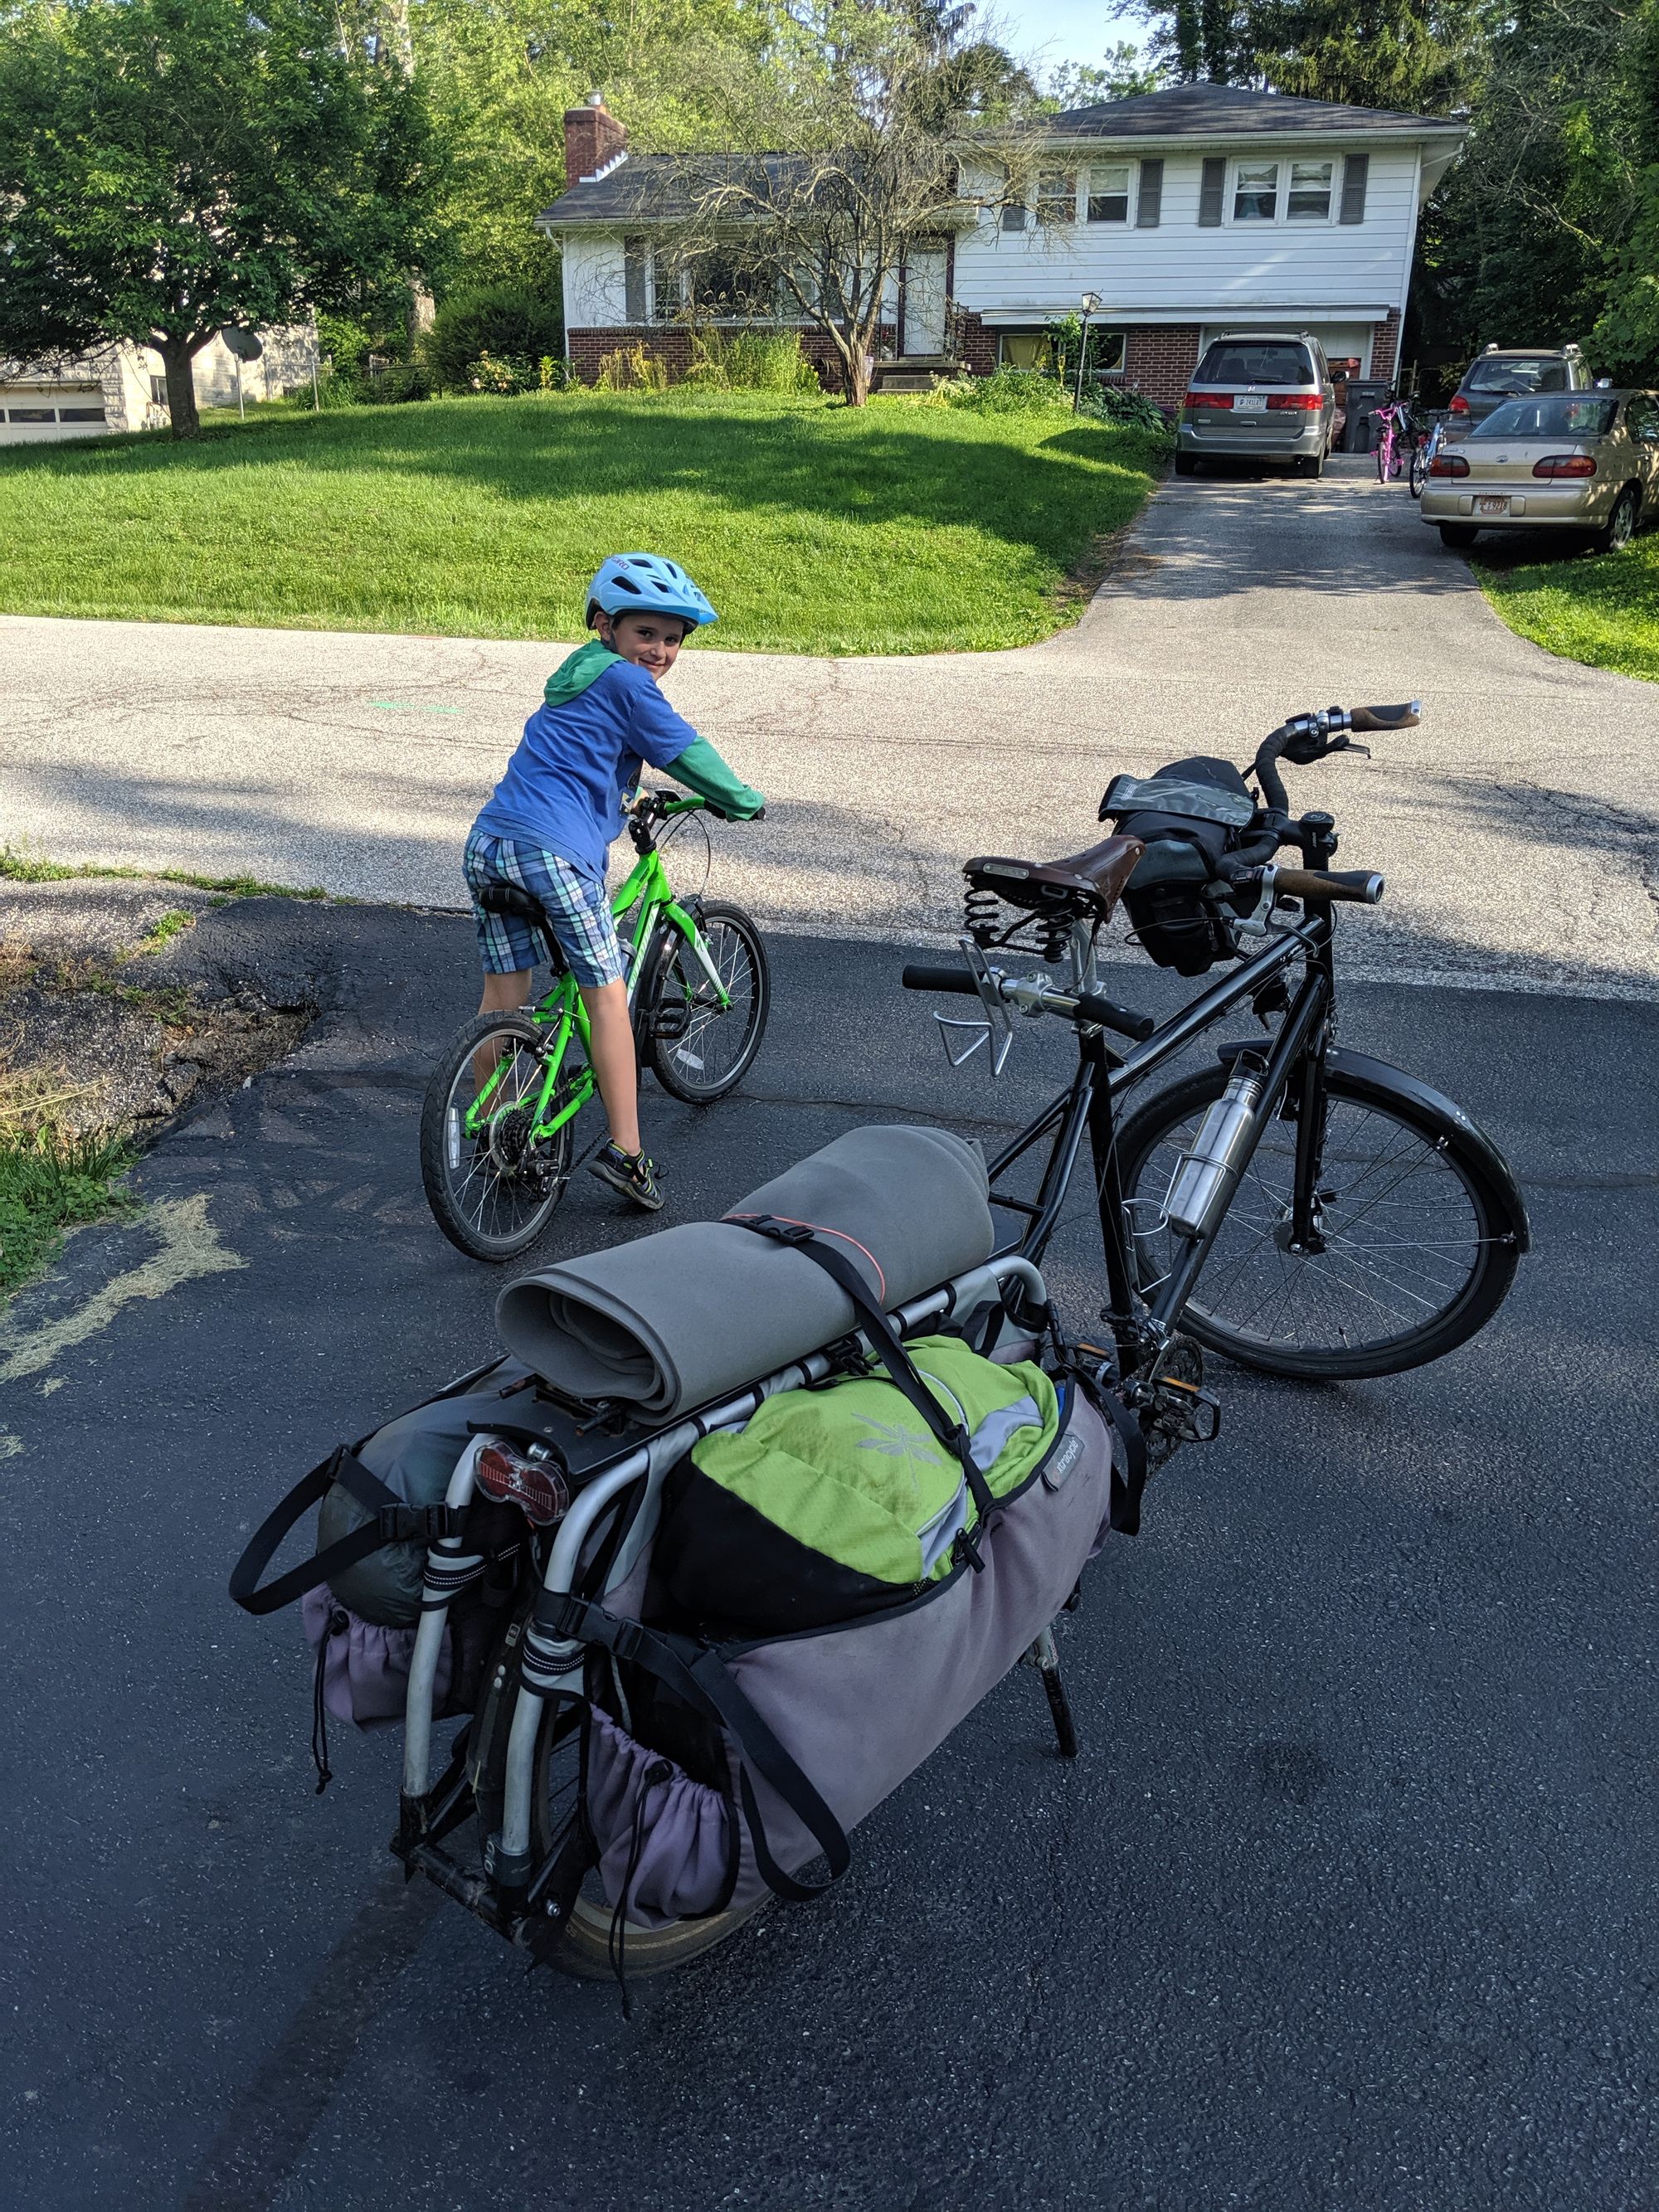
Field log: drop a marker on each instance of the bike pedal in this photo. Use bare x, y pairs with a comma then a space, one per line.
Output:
671, 1023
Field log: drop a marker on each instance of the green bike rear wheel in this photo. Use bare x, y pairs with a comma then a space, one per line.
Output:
492, 1190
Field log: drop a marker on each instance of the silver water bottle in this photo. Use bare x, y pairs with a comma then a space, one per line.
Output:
1208, 1173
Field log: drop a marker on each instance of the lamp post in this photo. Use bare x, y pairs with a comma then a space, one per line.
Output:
1091, 307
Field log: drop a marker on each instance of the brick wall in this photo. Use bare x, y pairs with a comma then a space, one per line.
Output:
1385, 345
975, 346
1158, 360
592, 135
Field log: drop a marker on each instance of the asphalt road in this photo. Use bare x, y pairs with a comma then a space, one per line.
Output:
1348, 1902
1518, 827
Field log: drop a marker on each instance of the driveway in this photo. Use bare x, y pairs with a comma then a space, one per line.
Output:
1517, 827
1346, 1907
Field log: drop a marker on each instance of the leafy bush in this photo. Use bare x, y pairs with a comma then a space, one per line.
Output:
1110, 403
397, 381
499, 323
1009, 392
750, 361
631, 369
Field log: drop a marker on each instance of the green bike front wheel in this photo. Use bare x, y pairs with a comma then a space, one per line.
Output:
701, 1049
491, 1185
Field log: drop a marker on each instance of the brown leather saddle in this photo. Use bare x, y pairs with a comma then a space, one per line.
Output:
1090, 881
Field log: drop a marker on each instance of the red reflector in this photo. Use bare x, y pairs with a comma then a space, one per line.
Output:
1208, 399
1449, 465
1564, 464
1308, 402
1459, 404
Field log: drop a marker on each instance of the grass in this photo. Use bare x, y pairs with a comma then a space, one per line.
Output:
1604, 610
898, 528
26, 867
167, 927
52, 1177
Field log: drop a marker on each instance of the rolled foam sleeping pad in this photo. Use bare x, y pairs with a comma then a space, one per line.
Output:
669, 1322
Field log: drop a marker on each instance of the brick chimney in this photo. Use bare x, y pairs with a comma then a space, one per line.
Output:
592, 137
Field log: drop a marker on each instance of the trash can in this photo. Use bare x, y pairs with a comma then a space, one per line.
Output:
1365, 393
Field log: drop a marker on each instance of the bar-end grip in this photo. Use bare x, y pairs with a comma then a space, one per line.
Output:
1387, 718
920, 976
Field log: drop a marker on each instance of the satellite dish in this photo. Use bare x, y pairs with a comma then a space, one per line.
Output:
242, 344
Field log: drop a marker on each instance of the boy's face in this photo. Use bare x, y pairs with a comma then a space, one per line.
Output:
651, 641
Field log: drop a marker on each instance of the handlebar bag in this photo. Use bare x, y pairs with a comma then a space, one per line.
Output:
1165, 900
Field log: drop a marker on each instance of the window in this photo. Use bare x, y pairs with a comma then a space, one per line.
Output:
80, 415
1027, 350
635, 262
723, 287
1641, 419
1561, 415
158, 391
1255, 360
1105, 356
1056, 196
1255, 192
1013, 218
1108, 193
1309, 199
32, 414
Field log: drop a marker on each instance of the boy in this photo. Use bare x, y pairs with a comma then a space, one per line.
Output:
558, 808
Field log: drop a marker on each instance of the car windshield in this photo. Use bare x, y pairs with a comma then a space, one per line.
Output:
1541, 372
1564, 415
1237, 362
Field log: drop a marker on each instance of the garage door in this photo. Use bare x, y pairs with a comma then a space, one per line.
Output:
41, 412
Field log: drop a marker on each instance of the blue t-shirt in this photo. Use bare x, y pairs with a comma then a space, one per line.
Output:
576, 764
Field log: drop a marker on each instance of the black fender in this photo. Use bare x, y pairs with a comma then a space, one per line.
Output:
1433, 1106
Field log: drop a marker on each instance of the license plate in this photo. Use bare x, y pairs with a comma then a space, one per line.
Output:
1491, 505
1249, 403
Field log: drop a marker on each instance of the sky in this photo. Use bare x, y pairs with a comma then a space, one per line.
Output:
1051, 31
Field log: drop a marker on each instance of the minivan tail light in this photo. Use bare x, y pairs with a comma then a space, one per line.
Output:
1564, 464
1449, 465
1306, 402
1459, 404
1208, 399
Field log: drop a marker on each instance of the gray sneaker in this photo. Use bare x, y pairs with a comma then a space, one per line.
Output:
631, 1172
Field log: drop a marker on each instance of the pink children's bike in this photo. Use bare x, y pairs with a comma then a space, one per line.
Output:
1396, 440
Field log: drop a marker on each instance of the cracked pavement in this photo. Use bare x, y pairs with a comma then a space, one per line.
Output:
1518, 827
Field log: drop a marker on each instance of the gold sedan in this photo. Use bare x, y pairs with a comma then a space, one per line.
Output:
1587, 461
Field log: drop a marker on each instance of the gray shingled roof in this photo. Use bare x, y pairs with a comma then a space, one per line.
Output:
655, 187
1199, 111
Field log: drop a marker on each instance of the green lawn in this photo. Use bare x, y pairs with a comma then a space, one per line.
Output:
1604, 610
814, 528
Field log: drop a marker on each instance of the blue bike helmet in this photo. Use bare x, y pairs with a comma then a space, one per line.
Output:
647, 583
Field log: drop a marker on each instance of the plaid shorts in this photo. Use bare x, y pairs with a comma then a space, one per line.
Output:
578, 909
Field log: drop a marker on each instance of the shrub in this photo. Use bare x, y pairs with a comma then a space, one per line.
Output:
750, 361
1110, 403
397, 381
499, 323
1009, 392
631, 369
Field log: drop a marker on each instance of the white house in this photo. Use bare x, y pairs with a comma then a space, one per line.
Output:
1188, 211
122, 387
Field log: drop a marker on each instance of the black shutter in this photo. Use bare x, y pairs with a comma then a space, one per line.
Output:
633, 280
1355, 170
1149, 205
1210, 191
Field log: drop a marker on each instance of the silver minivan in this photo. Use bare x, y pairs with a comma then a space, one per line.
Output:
1258, 396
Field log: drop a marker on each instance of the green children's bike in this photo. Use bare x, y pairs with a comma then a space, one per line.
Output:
497, 1134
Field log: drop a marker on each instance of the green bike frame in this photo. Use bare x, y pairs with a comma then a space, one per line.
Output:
648, 894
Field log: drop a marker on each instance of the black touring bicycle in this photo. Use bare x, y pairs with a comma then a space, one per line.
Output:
1302, 1208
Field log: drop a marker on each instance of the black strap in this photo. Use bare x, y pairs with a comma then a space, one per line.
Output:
700, 1676
392, 1522
1127, 1488
887, 1346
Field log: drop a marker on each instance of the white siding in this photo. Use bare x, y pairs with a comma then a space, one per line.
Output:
1178, 271
595, 281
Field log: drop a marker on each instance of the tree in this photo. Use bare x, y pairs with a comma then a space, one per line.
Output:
842, 160
1125, 74
1421, 57
170, 167
499, 75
